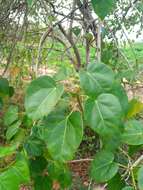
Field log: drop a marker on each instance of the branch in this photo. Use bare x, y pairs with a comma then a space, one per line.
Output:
76, 52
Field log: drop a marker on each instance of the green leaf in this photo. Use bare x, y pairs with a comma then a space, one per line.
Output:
132, 150
34, 147
63, 136
7, 150
19, 137
111, 143
63, 73
12, 130
4, 87
103, 167
41, 97
37, 166
104, 114
15, 175
103, 7
60, 173
128, 188
115, 183
42, 183
135, 107
97, 79
29, 2
140, 178
133, 134
76, 30
11, 115
118, 91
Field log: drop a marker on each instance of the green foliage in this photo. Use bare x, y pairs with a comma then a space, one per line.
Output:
50, 130
15, 175
41, 97
103, 7
29, 2
128, 188
12, 130
133, 134
98, 78
140, 178
104, 114
135, 107
116, 183
103, 167
4, 87
6, 151
11, 115
34, 146
67, 132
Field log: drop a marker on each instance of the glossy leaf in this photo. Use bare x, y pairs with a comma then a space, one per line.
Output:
104, 114
11, 115
15, 175
41, 97
63, 136
103, 167
12, 130
103, 7
98, 78
133, 134
140, 178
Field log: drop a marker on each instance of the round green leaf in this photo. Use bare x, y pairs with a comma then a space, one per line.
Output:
103, 167
104, 114
133, 134
97, 79
64, 136
41, 97
103, 7
140, 178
